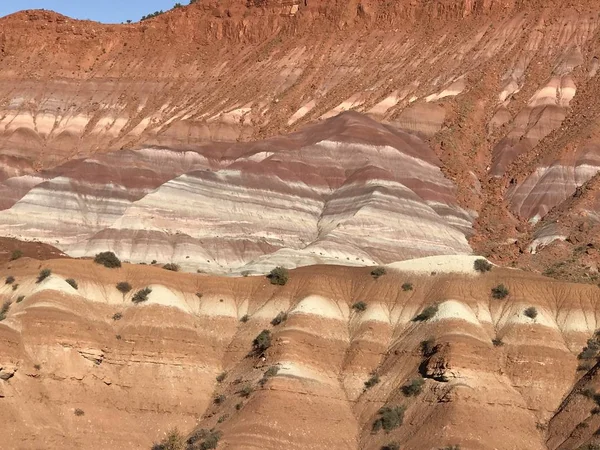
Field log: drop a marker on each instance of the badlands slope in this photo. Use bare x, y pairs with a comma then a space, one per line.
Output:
503, 94
348, 190
155, 368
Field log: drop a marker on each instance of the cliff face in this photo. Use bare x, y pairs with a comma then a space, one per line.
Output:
154, 365
502, 92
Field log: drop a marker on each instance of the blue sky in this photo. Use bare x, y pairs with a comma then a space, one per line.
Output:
107, 11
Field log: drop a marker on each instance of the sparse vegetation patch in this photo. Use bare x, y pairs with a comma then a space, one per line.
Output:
531, 312
426, 314
414, 388
9, 279
499, 291
407, 287
44, 273
279, 276
389, 418
72, 283
141, 295
4, 309
108, 259
372, 381
123, 287
16, 254
482, 265
262, 342
378, 272
279, 318
172, 267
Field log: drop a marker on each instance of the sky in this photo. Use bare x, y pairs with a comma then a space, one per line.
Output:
107, 11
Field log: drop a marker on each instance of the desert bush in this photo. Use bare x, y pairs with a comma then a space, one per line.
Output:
279, 276
407, 287
378, 272
15, 286
79, 412
108, 259
9, 280
117, 316
245, 273
172, 441
262, 342
153, 262
499, 291
141, 295
72, 283
4, 310
269, 373
246, 391
582, 425
223, 418
37, 366
211, 441
391, 446
531, 312
451, 447
44, 273
172, 267
389, 418
123, 287
588, 392
426, 314
245, 318
219, 399
482, 265
359, 306
20, 298
199, 294
497, 342
428, 347
16, 254
239, 406
414, 388
221, 377
372, 381
279, 318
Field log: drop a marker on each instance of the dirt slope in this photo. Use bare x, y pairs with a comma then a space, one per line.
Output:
155, 365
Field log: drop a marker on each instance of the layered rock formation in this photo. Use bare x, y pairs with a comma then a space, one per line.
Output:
133, 371
348, 190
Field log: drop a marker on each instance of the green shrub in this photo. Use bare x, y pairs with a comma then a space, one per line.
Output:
4, 310
141, 295
44, 273
269, 373
279, 276
245, 318
219, 399
117, 316
588, 392
223, 418
593, 347
246, 391
16, 254
482, 265
9, 280
407, 287
20, 298
497, 342
173, 441
378, 272
391, 446
262, 342
172, 267
389, 418
108, 259
279, 318
500, 291
239, 406
15, 286
531, 312
153, 262
414, 388
359, 306
208, 439
426, 314
372, 381
451, 447
428, 347
79, 412
221, 377
72, 283
123, 287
